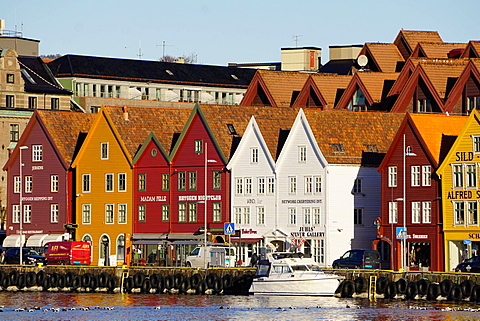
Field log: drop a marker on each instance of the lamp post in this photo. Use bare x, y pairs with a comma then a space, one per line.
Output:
404, 238
20, 203
205, 230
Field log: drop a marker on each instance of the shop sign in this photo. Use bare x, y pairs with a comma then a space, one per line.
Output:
301, 201
154, 198
307, 231
195, 198
249, 231
37, 198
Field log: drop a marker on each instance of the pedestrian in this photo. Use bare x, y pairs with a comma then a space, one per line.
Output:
254, 259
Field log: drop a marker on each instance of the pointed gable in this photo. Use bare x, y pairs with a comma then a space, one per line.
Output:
382, 57
353, 138
465, 94
407, 40
436, 50
429, 86
322, 90
472, 49
374, 86
135, 124
274, 88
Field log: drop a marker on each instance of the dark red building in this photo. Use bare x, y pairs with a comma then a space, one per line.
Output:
414, 203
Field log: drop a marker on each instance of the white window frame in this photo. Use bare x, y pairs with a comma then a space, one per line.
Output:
122, 177
416, 211
302, 154
318, 185
86, 213
104, 151
270, 185
392, 212
217, 211
37, 153
109, 182
17, 184
53, 213
109, 214
307, 215
54, 183
427, 212
476, 144
415, 175
15, 213
246, 215
248, 185
317, 215
292, 185
260, 215
182, 212
28, 184
239, 186
27, 213
237, 212
392, 176
192, 212
292, 216
470, 176
426, 175
122, 213
472, 218
141, 213
457, 176
254, 155
261, 185
308, 185
458, 213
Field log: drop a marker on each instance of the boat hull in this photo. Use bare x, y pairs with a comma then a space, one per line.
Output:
324, 286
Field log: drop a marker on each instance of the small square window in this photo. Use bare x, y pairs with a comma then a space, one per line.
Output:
10, 78
104, 151
198, 146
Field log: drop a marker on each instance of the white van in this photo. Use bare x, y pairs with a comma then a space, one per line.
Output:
212, 256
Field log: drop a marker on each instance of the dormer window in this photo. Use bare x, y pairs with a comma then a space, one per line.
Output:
371, 148
476, 144
338, 148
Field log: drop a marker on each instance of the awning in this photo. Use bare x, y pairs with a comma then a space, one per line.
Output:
12, 240
246, 240
186, 242
149, 242
53, 238
36, 240
149, 236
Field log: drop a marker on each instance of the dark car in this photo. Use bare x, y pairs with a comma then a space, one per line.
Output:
469, 265
358, 259
29, 256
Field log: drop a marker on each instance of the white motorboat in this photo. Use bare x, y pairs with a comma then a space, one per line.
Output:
293, 274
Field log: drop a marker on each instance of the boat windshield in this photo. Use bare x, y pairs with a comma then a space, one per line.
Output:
299, 267
281, 269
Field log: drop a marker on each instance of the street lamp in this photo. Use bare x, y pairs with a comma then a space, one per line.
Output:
205, 208
404, 238
20, 203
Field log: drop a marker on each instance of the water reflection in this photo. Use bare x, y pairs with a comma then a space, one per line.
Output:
193, 307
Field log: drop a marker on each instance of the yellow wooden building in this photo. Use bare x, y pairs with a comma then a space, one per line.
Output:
460, 184
103, 193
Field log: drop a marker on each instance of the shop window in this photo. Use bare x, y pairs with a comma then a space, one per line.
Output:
419, 254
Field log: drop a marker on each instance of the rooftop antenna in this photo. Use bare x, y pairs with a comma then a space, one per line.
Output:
140, 49
163, 45
295, 38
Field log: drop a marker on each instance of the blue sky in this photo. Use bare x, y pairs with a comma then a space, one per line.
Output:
223, 31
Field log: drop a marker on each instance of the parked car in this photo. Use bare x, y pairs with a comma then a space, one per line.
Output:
469, 265
358, 259
29, 256
68, 252
212, 255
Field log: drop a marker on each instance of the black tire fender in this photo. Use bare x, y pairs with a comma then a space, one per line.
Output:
31, 279
86, 279
185, 285
467, 287
455, 293
195, 280
21, 281
69, 276
13, 277
93, 282
169, 282
112, 283
475, 296
348, 289
46, 283
402, 285
411, 291
138, 279
178, 279
391, 290
61, 280
422, 286
227, 281
382, 283
128, 285
40, 277
161, 284
77, 282
218, 285
146, 286
433, 291
202, 287
54, 279
210, 279
445, 287
154, 280
361, 284
103, 279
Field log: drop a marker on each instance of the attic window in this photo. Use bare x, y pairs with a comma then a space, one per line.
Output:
338, 148
234, 77
231, 129
169, 72
372, 148
27, 75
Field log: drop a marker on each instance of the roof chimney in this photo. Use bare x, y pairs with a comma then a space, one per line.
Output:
125, 113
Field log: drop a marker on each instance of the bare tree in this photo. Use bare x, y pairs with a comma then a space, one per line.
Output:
188, 59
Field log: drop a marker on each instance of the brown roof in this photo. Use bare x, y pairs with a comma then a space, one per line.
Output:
437, 50
433, 127
413, 37
473, 45
163, 122
329, 85
375, 83
441, 73
271, 121
282, 84
385, 55
65, 129
356, 132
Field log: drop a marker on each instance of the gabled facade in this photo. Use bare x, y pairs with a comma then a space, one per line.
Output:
465, 94
407, 40
410, 191
103, 183
382, 57
472, 50
274, 88
366, 91
353, 145
460, 195
322, 90
47, 149
438, 50
427, 89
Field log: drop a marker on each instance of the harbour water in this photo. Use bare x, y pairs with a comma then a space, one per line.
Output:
72, 306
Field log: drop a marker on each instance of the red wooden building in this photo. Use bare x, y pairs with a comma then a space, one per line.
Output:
411, 192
